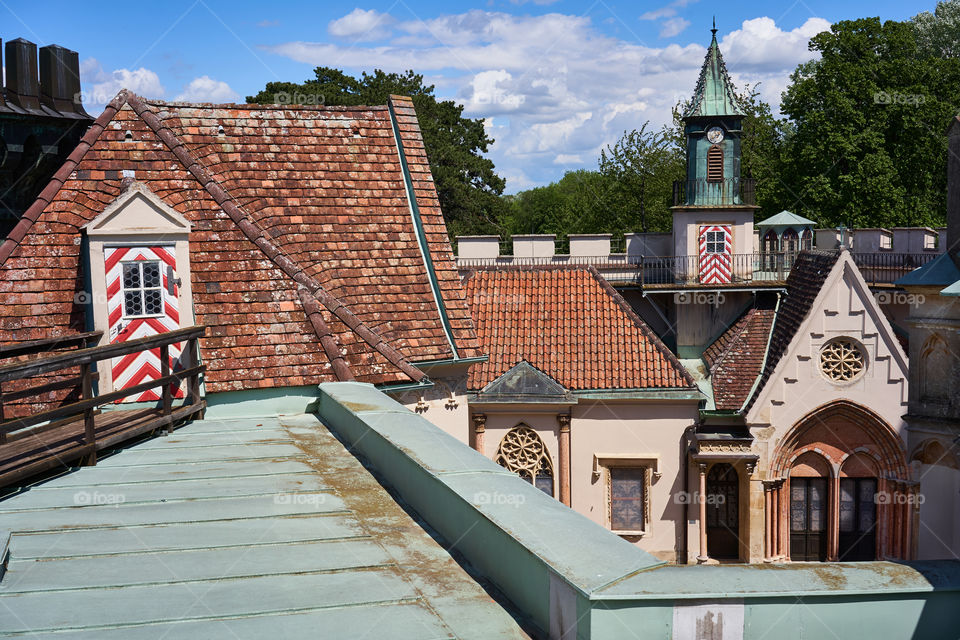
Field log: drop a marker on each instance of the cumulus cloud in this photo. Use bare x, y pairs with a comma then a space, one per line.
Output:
100, 87
206, 89
673, 27
553, 89
362, 25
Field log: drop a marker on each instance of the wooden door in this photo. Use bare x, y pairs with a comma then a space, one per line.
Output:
808, 519
141, 301
858, 519
716, 247
723, 512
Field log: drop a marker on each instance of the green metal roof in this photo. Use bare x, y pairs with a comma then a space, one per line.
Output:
786, 219
714, 95
248, 528
524, 382
939, 272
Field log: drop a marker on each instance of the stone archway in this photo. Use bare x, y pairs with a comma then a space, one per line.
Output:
856, 460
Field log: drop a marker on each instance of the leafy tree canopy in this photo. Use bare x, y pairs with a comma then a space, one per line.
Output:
466, 182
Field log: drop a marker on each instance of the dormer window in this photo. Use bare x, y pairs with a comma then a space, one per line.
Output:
715, 164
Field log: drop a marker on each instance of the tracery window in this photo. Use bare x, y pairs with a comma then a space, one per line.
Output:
523, 452
842, 360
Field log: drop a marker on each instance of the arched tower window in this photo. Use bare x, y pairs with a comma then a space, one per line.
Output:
523, 452
715, 164
791, 241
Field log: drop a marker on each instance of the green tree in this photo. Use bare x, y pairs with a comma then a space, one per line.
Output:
467, 184
641, 168
938, 33
867, 146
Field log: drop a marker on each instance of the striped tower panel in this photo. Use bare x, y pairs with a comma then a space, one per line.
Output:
715, 268
133, 369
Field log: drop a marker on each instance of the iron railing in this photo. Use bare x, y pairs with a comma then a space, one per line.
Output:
703, 192
763, 267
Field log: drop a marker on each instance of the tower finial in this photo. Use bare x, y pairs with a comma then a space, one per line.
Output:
714, 30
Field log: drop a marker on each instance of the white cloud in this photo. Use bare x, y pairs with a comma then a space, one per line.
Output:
360, 25
673, 27
100, 87
206, 89
555, 84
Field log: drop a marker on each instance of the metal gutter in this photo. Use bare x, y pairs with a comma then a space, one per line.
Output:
425, 383
421, 236
437, 363
659, 393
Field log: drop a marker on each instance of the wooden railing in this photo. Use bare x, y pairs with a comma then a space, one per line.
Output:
85, 359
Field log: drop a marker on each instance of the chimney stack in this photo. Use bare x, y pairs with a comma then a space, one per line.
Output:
953, 191
23, 85
59, 78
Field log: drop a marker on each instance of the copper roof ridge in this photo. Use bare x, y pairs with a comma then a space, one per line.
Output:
290, 267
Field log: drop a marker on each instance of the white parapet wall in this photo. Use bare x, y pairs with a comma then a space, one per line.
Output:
590, 244
534, 246
478, 246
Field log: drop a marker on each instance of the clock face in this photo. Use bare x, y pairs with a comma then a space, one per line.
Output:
715, 135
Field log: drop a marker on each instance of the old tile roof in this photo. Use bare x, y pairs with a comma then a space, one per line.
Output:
306, 258
736, 358
570, 323
806, 279
242, 528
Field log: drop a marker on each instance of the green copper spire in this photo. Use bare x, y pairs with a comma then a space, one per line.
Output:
714, 95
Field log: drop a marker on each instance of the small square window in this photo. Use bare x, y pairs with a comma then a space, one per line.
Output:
628, 488
142, 289
715, 242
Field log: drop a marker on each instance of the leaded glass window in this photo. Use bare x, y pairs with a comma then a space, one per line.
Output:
628, 488
142, 289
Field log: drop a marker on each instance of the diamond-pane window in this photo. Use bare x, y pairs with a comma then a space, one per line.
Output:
842, 360
142, 289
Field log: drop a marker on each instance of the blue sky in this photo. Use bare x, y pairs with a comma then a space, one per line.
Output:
555, 81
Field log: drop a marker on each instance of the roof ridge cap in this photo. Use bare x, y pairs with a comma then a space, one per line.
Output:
32, 214
640, 324
289, 266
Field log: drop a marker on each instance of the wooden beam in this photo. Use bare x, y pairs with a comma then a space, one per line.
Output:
43, 388
39, 366
47, 344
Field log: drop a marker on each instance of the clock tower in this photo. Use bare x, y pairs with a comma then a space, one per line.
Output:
713, 212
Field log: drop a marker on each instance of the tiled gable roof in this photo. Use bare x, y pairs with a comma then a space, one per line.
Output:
735, 359
569, 323
806, 279
304, 254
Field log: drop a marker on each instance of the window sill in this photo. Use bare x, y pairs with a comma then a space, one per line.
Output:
630, 534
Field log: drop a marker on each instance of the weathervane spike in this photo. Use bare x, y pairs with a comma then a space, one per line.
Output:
714, 30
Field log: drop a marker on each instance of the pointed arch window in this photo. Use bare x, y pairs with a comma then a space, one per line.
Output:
715, 164
523, 452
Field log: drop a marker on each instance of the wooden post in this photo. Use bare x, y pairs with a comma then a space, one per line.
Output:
3, 434
702, 500
564, 453
165, 390
86, 387
194, 346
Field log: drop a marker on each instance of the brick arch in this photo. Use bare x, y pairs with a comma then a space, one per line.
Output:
840, 429
932, 452
810, 463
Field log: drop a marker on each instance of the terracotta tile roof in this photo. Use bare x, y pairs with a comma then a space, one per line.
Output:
804, 283
735, 359
569, 323
305, 258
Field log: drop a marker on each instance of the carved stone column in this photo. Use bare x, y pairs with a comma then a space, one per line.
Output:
564, 454
702, 500
479, 426
769, 548
833, 517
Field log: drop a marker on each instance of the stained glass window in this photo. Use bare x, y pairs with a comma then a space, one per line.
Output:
627, 498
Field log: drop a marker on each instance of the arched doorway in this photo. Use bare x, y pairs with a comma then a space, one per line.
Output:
809, 476
857, 517
839, 476
723, 512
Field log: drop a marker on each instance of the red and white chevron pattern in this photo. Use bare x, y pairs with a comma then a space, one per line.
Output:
715, 267
135, 368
